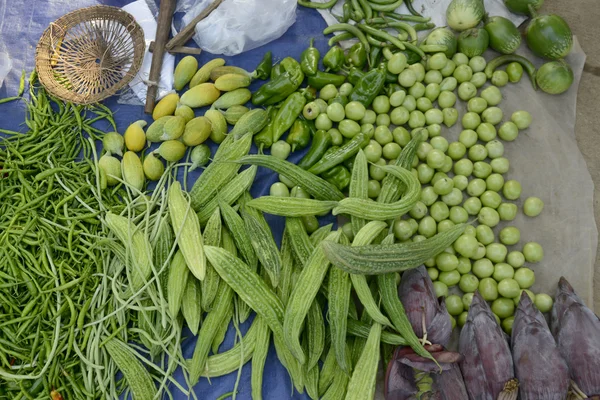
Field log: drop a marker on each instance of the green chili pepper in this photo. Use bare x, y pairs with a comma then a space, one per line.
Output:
340, 98
375, 55
355, 75
351, 29
287, 114
310, 4
277, 70
263, 71
357, 56
404, 17
339, 38
369, 86
333, 158
424, 26
321, 142
264, 139
299, 135
347, 9
282, 86
321, 79
338, 176
334, 59
411, 9
309, 60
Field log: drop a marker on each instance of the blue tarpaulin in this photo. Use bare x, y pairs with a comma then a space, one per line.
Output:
21, 25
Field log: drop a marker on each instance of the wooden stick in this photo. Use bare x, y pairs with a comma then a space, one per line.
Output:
187, 32
179, 49
165, 17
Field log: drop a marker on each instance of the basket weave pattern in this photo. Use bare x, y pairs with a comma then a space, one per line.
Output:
89, 54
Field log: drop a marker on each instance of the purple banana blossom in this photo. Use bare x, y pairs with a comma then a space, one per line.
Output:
423, 309
577, 332
487, 366
541, 370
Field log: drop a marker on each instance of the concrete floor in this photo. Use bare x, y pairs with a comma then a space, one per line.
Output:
583, 17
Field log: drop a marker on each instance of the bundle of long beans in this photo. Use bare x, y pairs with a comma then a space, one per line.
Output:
63, 276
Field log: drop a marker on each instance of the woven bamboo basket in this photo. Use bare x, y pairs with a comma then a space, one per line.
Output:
90, 54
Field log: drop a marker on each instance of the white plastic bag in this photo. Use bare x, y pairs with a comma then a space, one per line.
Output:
240, 25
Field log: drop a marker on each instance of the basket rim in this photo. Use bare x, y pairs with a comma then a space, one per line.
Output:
44, 51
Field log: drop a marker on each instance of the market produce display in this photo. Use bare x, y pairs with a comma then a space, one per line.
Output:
110, 262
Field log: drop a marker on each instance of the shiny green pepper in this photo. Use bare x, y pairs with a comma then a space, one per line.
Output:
354, 75
280, 87
263, 71
369, 86
277, 70
338, 176
334, 59
357, 56
321, 142
320, 79
264, 139
299, 135
309, 60
309, 93
288, 113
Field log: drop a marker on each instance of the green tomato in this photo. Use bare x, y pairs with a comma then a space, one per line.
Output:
491, 199
483, 268
335, 112
478, 152
349, 128
346, 89
432, 91
493, 115
299, 192
369, 118
496, 252
477, 63
435, 159
373, 151
485, 234
450, 278
347, 230
368, 130
495, 149
464, 265
336, 137
401, 135
503, 271
433, 115
399, 116
514, 71
286, 181
499, 78
355, 110
407, 78
383, 119
425, 173
416, 119
449, 84
479, 79
486, 131
375, 172
419, 71
460, 182
463, 73
470, 229
424, 104
477, 105
482, 169
454, 198
427, 227
311, 223
279, 189
437, 61
533, 252
507, 323
410, 103
508, 131
509, 288
417, 90
381, 104
446, 99
434, 130
450, 116
467, 298
466, 245
510, 235
397, 98
472, 205
468, 137
397, 63
480, 252
423, 149
476, 187
543, 302
373, 188
500, 165
440, 289
383, 135
281, 149
462, 319
503, 307
457, 150
322, 105
323, 122
454, 305
507, 211
533, 206
402, 229
448, 69
328, 92
428, 195
515, 258
446, 262
391, 151
470, 120
419, 210
488, 216
467, 91
494, 182
525, 277
443, 186
511, 189
445, 225
492, 95
488, 288
311, 111
433, 273
439, 211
